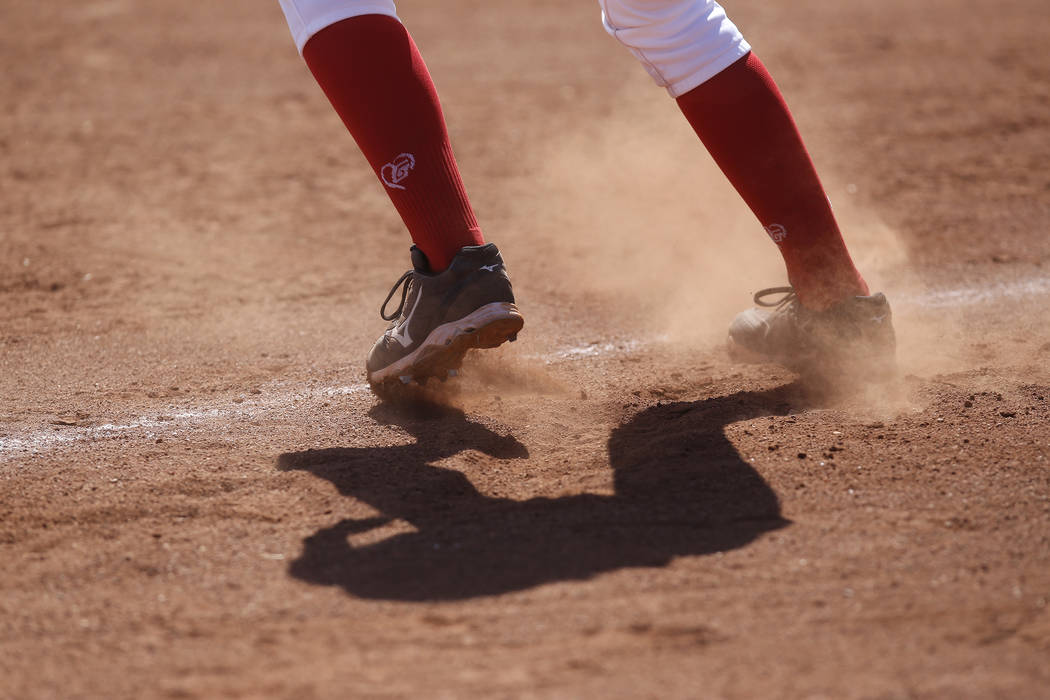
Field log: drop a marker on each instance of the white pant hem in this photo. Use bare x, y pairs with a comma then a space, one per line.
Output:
728, 58
305, 25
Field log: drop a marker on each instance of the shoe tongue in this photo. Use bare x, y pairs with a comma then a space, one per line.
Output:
419, 261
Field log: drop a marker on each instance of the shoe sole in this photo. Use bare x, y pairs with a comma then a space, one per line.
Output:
743, 355
802, 364
443, 350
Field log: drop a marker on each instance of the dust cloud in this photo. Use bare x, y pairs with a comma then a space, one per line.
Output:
654, 227
640, 223
949, 320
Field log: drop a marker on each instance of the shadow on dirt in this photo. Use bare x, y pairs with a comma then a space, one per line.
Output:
681, 489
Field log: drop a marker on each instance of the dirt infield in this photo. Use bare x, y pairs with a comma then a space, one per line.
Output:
199, 497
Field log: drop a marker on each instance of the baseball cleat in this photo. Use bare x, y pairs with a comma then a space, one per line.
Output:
442, 316
854, 338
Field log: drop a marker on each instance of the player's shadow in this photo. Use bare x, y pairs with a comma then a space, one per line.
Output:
680, 489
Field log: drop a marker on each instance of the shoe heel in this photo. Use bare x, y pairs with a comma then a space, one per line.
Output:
496, 324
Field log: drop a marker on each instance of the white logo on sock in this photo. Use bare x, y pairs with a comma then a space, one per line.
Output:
777, 232
396, 171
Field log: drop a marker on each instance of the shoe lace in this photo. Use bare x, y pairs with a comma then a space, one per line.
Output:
789, 297
404, 294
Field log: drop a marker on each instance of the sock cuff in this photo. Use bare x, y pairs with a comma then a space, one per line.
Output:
308, 17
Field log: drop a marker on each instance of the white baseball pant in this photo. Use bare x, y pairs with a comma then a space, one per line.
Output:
307, 17
682, 43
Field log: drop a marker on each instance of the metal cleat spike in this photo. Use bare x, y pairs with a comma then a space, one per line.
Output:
453, 373
405, 378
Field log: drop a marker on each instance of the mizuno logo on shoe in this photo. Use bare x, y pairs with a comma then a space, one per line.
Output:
492, 268
400, 331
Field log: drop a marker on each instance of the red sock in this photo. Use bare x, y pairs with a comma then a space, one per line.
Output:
374, 76
744, 122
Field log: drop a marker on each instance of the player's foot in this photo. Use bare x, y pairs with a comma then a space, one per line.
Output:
853, 338
442, 316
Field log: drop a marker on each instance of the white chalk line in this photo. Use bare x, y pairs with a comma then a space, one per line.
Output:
170, 421
973, 296
41, 440
599, 349
246, 409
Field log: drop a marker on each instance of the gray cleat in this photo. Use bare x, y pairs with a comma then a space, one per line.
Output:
851, 339
442, 316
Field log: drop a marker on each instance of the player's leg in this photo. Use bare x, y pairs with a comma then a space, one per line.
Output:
691, 48
370, 69
458, 295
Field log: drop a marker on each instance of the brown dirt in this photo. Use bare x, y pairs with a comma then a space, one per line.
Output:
198, 498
